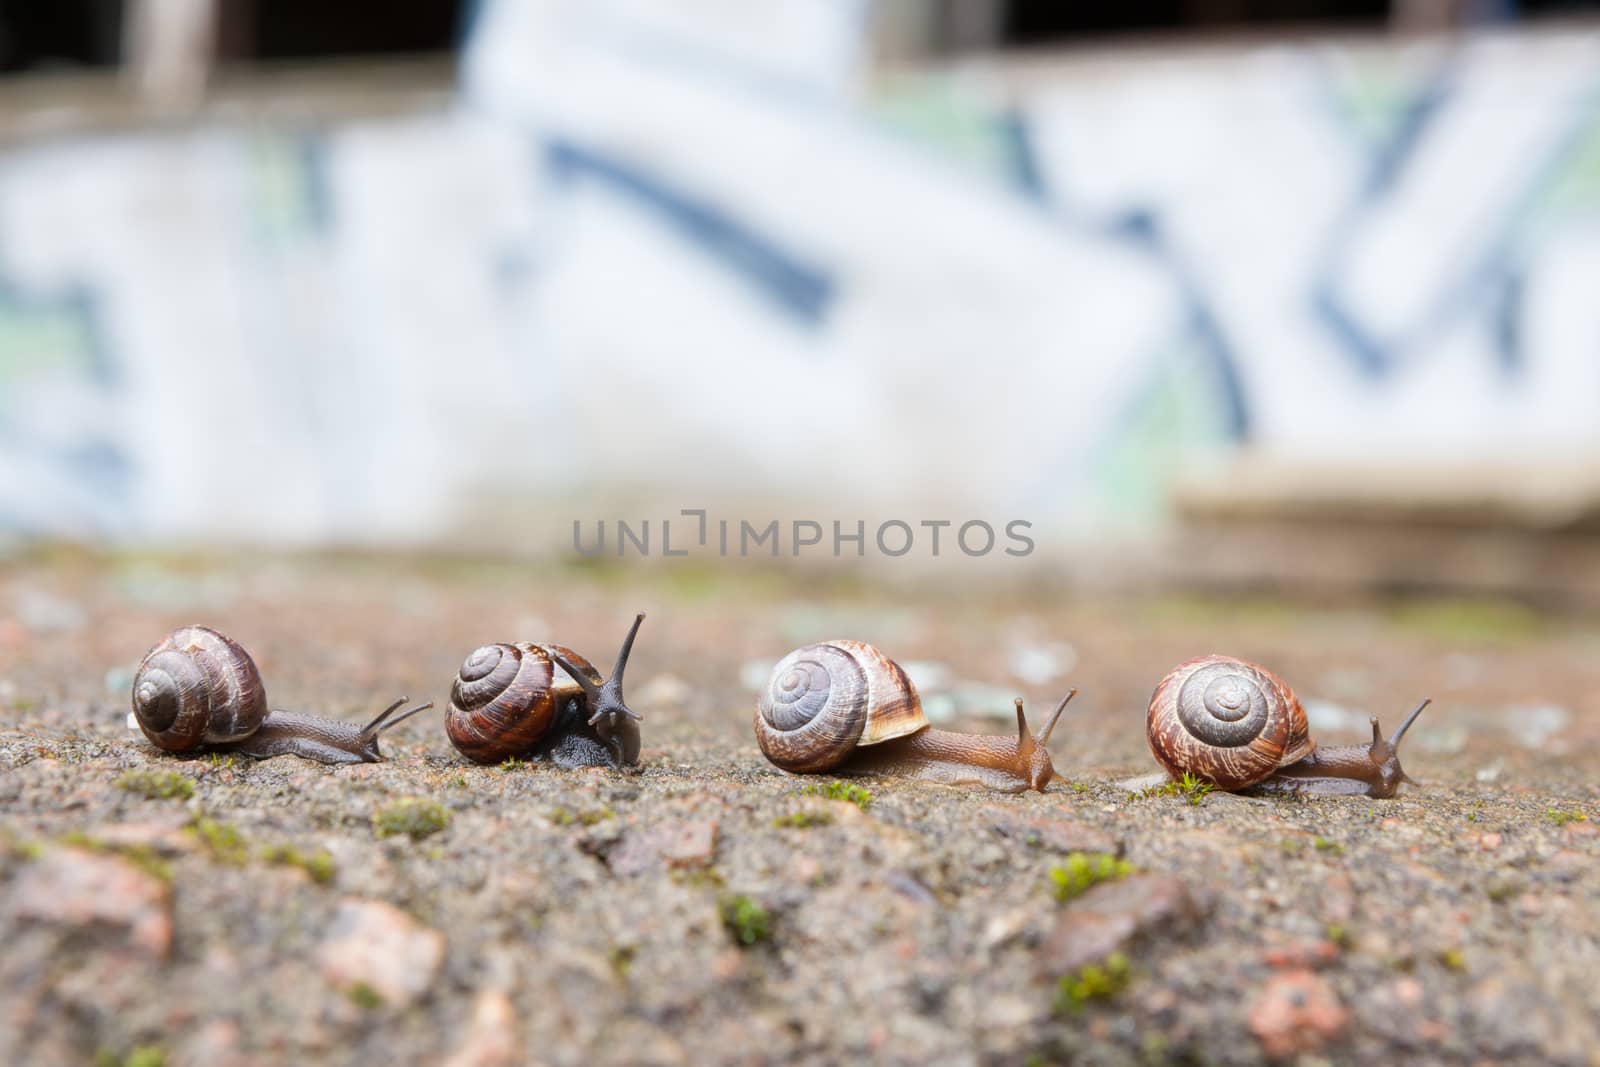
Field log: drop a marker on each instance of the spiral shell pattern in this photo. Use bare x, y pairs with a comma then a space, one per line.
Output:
505, 697
197, 687
1226, 721
825, 700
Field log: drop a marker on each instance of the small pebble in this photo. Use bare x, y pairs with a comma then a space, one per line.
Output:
77, 888
680, 843
1296, 1013
380, 947
491, 1039
1108, 916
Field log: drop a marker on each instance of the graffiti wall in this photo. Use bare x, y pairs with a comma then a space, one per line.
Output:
655, 260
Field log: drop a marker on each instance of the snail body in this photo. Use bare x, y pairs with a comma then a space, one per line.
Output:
198, 690
845, 707
1240, 727
544, 702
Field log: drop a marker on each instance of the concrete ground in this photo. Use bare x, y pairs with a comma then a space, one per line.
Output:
709, 909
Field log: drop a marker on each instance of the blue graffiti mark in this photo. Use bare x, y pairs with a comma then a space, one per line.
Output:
1369, 353
1392, 157
316, 174
1360, 345
1141, 227
1508, 322
1024, 162
804, 290
468, 21
92, 476
1493, 284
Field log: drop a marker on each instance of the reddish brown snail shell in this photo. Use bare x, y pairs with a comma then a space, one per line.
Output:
198, 690
845, 707
1241, 728
543, 702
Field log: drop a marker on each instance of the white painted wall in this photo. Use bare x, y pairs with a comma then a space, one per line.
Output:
705, 259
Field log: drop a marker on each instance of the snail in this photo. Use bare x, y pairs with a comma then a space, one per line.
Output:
844, 706
543, 702
199, 691
1238, 726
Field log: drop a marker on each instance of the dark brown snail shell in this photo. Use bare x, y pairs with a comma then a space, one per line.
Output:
198, 690
1240, 727
198, 687
544, 701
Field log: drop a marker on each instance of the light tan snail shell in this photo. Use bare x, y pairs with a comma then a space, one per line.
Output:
1227, 721
825, 700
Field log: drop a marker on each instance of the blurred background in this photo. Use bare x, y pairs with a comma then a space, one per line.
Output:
1243, 293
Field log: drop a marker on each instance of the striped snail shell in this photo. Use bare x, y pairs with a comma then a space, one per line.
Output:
825, 700
1226, 721
506, 697
197, 687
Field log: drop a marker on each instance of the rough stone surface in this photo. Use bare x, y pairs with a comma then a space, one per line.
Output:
682, 843
1052, 834
908, 932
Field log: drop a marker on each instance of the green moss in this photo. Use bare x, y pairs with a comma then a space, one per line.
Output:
415, 817
219, 760
139, 1056
581, 817
512, 763
1190, 788
1324, 844
1081, 870
456, 781
855, 794
1338, 933
156, 785
223, 840
708, 878
364, 996
1193, 789
1454, 959
1502, 889
621, 958
747, 922
319, 865
1098, 981
1561, 818
802, 820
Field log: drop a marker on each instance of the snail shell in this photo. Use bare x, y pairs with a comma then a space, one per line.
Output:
1229, 722
825, 700
197, 687
506, 696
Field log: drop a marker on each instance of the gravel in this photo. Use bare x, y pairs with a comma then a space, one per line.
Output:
706, 910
